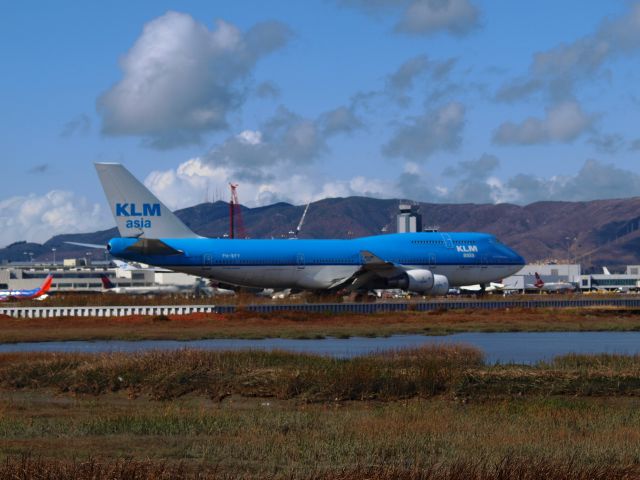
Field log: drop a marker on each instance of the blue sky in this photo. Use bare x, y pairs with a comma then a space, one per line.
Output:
433, 100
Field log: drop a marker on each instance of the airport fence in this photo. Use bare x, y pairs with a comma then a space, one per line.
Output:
321, 308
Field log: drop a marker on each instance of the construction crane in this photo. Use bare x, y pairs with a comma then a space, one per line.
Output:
304, 214
235, 214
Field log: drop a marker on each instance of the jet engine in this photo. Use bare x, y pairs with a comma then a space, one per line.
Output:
440, 285
421, 281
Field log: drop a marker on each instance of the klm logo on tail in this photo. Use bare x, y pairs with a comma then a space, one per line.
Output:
134, 210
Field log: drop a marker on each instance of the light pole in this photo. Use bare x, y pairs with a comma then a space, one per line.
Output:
54, 254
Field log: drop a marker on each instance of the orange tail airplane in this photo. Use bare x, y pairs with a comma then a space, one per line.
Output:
36, 293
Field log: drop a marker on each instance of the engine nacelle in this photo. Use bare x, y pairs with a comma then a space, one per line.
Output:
421, 281
440, 285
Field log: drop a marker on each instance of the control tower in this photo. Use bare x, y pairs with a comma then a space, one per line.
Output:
409, 220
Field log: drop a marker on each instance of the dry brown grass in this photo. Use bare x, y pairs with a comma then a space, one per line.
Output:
244, 324
410, 415
535, 438
165, 375
453, 370
508, 468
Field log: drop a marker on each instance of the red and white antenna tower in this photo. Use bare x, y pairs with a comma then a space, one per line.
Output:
235, 214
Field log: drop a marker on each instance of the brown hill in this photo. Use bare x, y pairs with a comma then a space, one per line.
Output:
601, 232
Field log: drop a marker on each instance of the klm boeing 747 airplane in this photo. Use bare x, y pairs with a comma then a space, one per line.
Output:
426, 262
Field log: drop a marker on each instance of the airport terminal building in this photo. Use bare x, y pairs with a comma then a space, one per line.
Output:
572, 273
80, 276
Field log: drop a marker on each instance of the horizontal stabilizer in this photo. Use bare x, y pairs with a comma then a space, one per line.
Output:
152, 246
86, 245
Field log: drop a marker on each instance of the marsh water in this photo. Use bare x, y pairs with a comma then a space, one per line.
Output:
520, 347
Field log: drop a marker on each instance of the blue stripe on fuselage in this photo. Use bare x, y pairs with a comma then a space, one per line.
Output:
19, 293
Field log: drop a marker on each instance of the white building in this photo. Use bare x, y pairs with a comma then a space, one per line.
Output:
77, 277
554, 272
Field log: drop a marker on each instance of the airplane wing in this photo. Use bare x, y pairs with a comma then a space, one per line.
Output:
373, 263
372, 267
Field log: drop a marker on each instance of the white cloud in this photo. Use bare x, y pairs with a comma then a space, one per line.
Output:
37, 218
181, 79
595, 180
414, 70
250, 137
267, 90
557, 70
428, 133
424, 17
285, 141
187, 185
80, 125
340, 120
609, 143
478, 184
402, 79
562, 123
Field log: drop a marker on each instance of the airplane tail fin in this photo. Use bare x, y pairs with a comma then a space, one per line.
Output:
137, 212
539, 283
106, 283
46, 285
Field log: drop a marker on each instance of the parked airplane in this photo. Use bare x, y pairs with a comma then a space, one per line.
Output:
211, 290
153, 290
127, 265
35, 294
555, 287
426, 262
492, 287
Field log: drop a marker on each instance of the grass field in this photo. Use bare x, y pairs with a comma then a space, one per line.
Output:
244, 324
433, 413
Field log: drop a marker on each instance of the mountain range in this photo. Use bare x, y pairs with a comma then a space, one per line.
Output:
594, 233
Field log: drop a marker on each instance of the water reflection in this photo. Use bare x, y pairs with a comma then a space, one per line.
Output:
522, 347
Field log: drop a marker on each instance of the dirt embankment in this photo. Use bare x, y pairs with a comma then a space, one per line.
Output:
303, 325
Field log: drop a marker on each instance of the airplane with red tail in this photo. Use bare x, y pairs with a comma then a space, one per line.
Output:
34, 294
552, 287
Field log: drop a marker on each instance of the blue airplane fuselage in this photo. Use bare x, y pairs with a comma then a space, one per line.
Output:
464, 258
